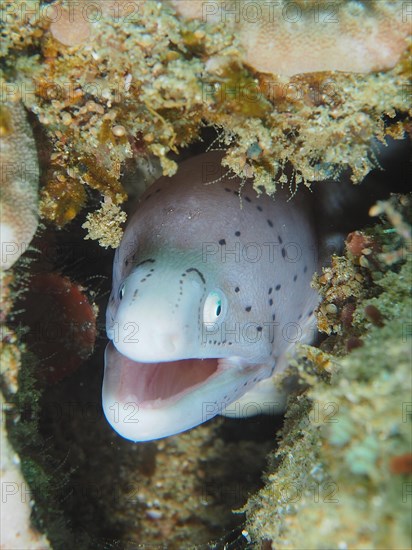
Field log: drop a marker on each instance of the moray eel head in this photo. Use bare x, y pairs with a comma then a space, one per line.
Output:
208, 282
168, 365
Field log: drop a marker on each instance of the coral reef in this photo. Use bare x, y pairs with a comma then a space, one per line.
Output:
19, 182
340, 476
110, 217
289, 38
16, 500
110, 82
118, 88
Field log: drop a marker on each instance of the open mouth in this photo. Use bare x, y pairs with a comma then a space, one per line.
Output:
145, 401
154, 384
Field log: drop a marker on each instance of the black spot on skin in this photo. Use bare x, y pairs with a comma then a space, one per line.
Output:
157, 190
270, 290
222, 242
270, 223
277, 287
310, 313
295, 278
236, 193
237, 289
135, 293
237, 233
126, 262
280, 239
273, 316
259, 208
283, 253
148, 196
247, 199
248, 308
228, 190
143, 280
271, 302
181, 282
300, 317
259, 329
305, 269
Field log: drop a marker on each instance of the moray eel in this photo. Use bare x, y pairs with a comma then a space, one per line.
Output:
211, 290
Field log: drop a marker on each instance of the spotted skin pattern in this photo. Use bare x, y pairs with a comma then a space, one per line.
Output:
211, 290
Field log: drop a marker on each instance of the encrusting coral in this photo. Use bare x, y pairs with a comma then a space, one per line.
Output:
289, 38
19, 182
114, 81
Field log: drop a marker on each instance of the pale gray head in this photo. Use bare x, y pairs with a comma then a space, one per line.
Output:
198, 295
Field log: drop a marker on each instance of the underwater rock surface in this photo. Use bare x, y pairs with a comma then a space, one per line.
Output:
119, 83
19, 182
127, 87
334, 481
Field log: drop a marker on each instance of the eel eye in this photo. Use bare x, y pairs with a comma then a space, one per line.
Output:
121, 291
214, 306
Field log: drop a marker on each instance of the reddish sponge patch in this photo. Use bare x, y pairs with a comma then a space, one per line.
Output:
401, 464
62, 325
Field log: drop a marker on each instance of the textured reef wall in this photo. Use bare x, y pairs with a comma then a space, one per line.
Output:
19, 183
341, 476
295, 92
114, 81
